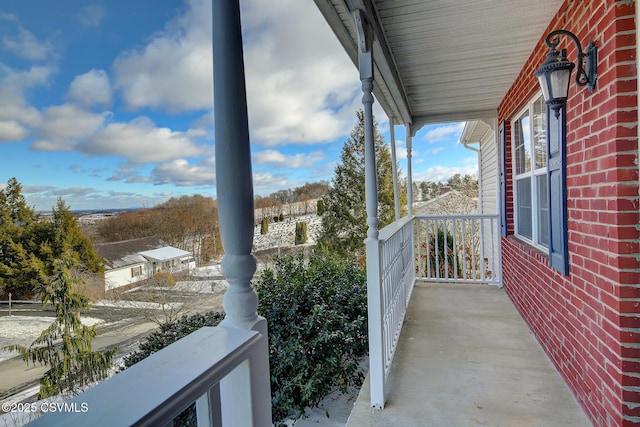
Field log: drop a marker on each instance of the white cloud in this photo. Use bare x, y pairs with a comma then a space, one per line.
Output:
11, 130
140, 141
91, 16
440, 133
442, 173
181, 173
266, 183
174, 71
302, 87
434, 151
17, 116
64, 126
91, 88
24, 44
282, 161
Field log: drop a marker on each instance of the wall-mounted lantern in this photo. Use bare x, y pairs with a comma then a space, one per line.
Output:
555, 72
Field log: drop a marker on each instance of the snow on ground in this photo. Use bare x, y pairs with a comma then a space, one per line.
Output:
136, 304
23, 330
202, 286
283, 233
207, 271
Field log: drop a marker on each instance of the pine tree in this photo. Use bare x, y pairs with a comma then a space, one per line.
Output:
66, 236
66, 345
20, 266
344, 221
48, 258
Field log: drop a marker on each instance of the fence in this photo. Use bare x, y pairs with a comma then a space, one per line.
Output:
391, 275
458, 248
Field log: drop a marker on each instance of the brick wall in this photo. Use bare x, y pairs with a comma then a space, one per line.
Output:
589, 321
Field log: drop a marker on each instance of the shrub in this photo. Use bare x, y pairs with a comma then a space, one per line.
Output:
264, 226
301, 233
316, 311
449, 265
317, 317
170, 332
276, 218
320, 207
281, 217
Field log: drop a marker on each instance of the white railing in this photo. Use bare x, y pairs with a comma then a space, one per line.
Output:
451, 248
391, 259
215, 367
458, 248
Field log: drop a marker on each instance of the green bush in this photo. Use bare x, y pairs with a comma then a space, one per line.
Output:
170, 332
301, 233
448, 266
276, 218
317, 316
264, 226
320, 207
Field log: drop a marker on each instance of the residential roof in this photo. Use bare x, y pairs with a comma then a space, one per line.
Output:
127, 252
165, 253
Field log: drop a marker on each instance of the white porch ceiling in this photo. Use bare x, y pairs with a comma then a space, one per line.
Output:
438, 61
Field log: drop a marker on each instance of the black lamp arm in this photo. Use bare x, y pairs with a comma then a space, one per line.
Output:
587, 73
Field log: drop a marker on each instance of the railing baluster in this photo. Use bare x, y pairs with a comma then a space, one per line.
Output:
470, 234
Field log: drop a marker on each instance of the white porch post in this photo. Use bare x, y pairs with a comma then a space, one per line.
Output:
394, 167
409, 177
374, 301
245, 393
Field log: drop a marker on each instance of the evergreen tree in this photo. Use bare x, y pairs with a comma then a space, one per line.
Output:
66, 237
344, 221
20, 266
72, 363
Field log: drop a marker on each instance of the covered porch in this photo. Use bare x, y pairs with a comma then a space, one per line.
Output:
466, 358
461, 340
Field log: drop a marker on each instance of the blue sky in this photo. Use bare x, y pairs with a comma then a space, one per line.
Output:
109, 104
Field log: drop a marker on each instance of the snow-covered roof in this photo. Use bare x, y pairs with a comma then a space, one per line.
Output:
165, 253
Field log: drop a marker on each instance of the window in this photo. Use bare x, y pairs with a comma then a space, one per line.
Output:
136, 271
530, 173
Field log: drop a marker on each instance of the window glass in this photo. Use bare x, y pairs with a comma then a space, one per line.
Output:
523, 144
543, 210
524, 207
540, 133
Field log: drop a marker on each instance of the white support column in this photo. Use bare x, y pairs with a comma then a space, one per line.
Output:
374, 297
394, 167
409, 177
234, 184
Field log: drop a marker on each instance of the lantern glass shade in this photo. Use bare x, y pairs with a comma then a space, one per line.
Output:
555, 84
554, 75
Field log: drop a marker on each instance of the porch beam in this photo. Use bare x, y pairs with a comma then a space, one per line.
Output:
459, 116
234, 185
394, 167
409, 172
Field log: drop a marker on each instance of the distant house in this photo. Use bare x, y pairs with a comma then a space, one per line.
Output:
130, 261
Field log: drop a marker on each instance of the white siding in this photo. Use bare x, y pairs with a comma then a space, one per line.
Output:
488, 204
118, 277
489, 173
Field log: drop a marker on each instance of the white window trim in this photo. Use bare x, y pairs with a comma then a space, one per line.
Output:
532, 174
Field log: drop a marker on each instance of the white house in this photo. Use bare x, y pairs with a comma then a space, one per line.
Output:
130, 261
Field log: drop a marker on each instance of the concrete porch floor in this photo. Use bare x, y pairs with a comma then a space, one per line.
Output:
466, 358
